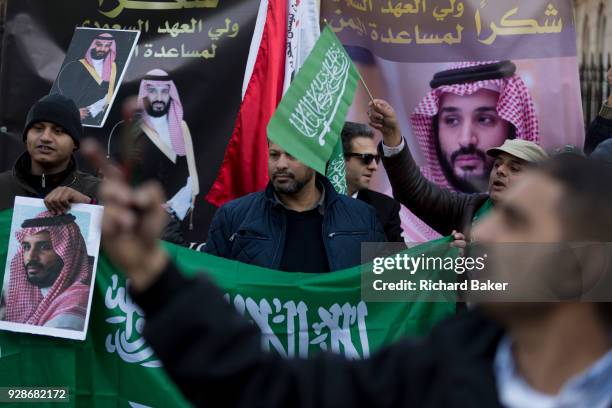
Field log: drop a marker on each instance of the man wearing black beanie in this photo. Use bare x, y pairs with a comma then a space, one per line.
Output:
47, 168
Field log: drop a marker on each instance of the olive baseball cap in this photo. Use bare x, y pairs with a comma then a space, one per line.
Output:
523, 149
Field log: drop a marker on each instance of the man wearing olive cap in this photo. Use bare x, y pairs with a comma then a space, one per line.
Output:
446, 211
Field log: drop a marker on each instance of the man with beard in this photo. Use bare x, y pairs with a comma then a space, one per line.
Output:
161, 147
91, 81
515, 355
50, 274
447, 211
298, 224
471, 108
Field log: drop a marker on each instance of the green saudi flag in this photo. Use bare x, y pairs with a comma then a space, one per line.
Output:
300, 314
309, 118
336, 170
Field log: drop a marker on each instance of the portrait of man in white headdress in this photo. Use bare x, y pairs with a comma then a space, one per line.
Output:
162, 148
91, 72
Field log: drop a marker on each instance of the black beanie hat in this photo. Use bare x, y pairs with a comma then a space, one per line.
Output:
59, 110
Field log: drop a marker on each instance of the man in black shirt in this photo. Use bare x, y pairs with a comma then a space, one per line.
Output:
298, 223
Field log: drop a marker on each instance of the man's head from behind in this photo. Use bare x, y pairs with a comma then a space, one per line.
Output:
555, 203
287, 174
52, 131
510, 160
360, 154
42, 264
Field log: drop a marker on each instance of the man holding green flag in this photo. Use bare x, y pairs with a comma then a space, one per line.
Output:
309, 119
301, 223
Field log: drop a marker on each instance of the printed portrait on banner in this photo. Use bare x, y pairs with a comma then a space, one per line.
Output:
463, 76
156, 143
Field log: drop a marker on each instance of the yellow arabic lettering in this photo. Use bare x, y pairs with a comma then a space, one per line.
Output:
366, 4
431, 39
359, 27
443, 13
197, 54
219, 31
403, 37
157, 5
148, 52
450, 40
235, 29
460, 10
177, 29
400, 8
436, 39
161, 53
518, 27
146, 25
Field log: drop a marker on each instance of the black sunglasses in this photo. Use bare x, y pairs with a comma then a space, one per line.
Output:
366, 158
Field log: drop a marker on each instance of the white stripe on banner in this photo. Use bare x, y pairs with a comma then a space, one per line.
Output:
302, 33
255, 44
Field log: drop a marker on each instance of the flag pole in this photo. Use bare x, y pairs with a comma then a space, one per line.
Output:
358, 73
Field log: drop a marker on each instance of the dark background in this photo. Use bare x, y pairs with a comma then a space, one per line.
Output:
34, 43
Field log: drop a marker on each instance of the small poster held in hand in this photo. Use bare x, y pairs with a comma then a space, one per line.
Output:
93, 70
50, 269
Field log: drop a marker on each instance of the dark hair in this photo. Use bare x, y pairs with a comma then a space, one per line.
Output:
603, 151
586, 206
351, 130
63, 219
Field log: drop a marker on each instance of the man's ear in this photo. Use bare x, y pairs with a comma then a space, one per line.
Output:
595, 262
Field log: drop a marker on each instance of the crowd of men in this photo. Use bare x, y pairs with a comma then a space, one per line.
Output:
486, 179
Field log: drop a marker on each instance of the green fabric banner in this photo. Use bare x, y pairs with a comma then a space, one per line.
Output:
308, 121
299, 314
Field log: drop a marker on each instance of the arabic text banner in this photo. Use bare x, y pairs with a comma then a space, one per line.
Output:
454, 30
203, 46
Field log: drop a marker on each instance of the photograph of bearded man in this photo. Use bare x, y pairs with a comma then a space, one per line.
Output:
464, 115
50, 274
92, 71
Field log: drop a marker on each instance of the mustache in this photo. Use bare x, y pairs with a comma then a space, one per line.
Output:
282, 173
468, 150
34, 264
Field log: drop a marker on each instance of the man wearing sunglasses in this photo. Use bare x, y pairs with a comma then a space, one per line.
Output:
361, 162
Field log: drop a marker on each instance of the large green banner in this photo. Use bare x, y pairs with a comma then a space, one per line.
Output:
299, 314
